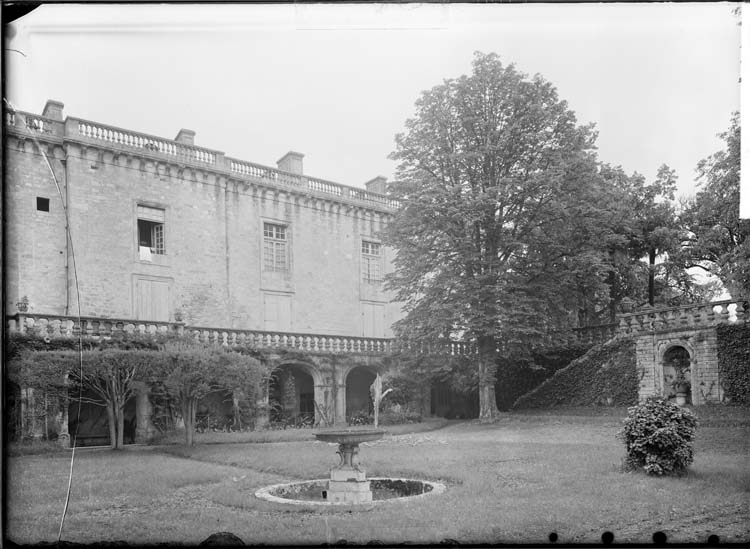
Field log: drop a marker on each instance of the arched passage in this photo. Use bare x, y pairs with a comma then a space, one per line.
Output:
291, 395
358, 398
677, 375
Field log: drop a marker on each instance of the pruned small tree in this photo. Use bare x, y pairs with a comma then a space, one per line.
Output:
110, 374
189, 371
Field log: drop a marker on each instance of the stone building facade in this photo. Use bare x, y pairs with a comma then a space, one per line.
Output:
167, 235
163, 230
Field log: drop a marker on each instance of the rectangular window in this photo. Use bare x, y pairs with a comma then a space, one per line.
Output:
42, 204
151, 231
275, 248
371, 262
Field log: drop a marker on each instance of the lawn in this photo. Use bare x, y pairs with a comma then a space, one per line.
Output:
517, 480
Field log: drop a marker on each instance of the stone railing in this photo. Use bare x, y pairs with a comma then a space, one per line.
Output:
250, 170
597, 333
27, 122
444, 348
71, 326
685, 317
287, 340
86, 131
93, 131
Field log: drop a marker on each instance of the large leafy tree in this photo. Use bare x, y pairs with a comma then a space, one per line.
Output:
718, 241
642, 240
494, 181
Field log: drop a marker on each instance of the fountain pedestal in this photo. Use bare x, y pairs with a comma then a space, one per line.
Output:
348, 482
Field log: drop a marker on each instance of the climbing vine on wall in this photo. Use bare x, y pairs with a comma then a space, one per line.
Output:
605, 375
733, 342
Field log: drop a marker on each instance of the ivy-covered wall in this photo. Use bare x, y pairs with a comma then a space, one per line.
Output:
605, 375
733, 345
516, 379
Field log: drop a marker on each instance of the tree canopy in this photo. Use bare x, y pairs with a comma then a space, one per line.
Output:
496, 181
717, 240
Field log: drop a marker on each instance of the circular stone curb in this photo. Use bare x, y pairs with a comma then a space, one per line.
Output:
265, 493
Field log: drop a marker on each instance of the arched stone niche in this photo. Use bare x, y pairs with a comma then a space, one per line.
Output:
668, 351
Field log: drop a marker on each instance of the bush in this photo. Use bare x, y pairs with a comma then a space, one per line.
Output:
658, 436
360, 418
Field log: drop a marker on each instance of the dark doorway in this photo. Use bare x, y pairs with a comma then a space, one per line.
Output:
291, 397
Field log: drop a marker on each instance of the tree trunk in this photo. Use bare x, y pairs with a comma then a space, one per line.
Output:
612, 282
120, 411
651, 265
112, 423
487, 368
188, 418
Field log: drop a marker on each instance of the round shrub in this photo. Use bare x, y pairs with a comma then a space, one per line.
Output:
658, 436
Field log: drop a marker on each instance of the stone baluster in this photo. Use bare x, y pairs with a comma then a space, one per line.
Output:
730, 309
723, 312
741, 310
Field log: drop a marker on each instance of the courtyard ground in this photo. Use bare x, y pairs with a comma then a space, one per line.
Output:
517, 480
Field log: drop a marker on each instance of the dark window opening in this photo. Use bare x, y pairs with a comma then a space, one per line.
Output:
151, 235
150, 232
42, 204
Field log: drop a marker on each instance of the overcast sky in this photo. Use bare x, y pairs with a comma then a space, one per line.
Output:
336, 83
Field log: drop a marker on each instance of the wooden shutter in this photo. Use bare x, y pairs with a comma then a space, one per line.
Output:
373, 320
152, 300
277, 312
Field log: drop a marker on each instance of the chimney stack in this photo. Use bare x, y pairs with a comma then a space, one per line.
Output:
376, 185
54, 110
185, 136
291, 162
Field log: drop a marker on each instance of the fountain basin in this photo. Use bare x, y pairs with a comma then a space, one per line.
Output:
349, 436
384, 490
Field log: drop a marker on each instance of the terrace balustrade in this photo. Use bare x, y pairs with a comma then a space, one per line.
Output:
686, 317
71, 326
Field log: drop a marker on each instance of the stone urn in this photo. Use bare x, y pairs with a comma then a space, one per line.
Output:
682, 390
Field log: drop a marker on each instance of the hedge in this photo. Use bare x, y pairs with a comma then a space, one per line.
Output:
606, 375
733, 343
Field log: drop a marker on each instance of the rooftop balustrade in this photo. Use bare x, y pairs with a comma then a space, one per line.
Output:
95, 133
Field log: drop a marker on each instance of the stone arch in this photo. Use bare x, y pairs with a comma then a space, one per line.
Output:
669, 350
292, 389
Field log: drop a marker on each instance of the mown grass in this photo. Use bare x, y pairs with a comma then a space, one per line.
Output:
516, 480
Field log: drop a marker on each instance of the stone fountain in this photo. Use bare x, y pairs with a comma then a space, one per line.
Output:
348, 483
